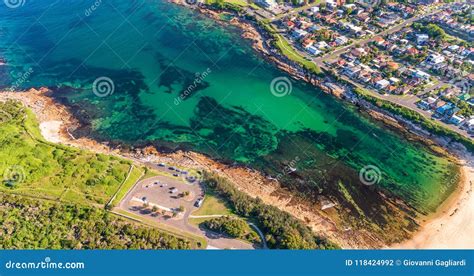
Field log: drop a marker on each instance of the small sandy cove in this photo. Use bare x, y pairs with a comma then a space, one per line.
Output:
451, 227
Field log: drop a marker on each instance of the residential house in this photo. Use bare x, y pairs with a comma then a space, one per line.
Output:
422, 38
456, 119
298, 34
313, 50
382, 84
435, 59
341, 40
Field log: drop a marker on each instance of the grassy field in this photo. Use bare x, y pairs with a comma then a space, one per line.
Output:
242, 3
31, 166
65, 183
213, 205
287, 50
135, 175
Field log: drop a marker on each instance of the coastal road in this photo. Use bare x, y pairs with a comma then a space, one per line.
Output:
408, 101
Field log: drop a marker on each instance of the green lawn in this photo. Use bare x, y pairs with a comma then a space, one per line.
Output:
287, 50
242, 3
31, 166
135, 175
212, 205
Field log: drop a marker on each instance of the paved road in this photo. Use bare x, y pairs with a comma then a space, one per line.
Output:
260, 233
408, 101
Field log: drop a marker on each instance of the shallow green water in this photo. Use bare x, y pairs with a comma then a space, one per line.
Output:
154, 51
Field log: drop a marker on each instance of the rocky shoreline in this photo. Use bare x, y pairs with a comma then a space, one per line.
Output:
441, 145
56, 121
260, 44
246, 180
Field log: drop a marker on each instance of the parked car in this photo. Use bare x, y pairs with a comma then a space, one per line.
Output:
199, 202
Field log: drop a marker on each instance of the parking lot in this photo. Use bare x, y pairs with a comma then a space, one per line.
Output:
163, 197
170, 198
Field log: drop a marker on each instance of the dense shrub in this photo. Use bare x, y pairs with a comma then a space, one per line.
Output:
30, 224
233, 227
280, 228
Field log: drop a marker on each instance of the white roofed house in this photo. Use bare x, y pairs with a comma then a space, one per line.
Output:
469, 124
456, 119
382, 84
427, 103
453, 48
266, 3
435, 59
422, 75
394, 80
341, 40
313, 50
314, 9
314, 27
297, 33
322, 45
422, 38
351, 70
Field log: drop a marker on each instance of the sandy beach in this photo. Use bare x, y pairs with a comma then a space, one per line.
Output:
453, 225
50, 130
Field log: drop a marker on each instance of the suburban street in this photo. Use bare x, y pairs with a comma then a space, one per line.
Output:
408, 101
364, 41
